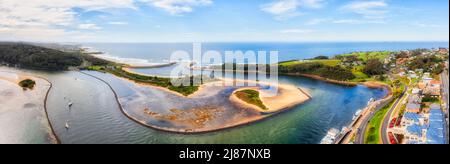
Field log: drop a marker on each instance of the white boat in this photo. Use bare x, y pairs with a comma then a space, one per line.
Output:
356, 115
67, 125
330, 138
70, 104
370, 101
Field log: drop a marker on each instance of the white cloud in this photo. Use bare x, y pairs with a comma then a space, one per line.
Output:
312, 3
297, 31
117, 23
177, 7
281, 7
36, 33
89, 26
285, 9
48, 18
426, 25
316, 21
368, 9
356, 21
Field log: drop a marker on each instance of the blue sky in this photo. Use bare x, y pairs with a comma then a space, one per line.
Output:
224, 20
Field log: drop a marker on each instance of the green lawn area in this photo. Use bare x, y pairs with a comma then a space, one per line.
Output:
360, 76
251, 97
325, 62
373, 128
95, 68
370, 55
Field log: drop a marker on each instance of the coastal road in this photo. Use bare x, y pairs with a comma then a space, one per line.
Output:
387, 118
360, 134
361, 131
445, 90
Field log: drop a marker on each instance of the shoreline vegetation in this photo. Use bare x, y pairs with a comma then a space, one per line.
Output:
27, 84
156, 81
251, 96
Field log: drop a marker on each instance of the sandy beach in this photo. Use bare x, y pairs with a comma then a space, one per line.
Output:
287, 96
13, 77
133, 63
22, 109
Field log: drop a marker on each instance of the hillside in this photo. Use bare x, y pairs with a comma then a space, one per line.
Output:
34, 57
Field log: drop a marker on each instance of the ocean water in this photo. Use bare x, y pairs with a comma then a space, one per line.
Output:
160, 52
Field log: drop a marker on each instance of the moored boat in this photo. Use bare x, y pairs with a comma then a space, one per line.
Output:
331, 136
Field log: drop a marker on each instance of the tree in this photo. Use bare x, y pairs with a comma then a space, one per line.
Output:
321, 58
29, 56
402, 54
418, 52
351, 58
374, 67
425, 62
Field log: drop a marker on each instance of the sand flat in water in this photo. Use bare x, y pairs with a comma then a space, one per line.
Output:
22, 115
209, 109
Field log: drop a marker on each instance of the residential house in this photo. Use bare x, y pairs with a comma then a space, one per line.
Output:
435, 83
416, 134
401, 61
427, 80
443, 51
409, 119
412, 107
436, 128
421, 85
432, 91
416, 91
413, 75
415, 98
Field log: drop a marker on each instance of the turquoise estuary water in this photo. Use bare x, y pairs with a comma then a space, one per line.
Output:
96, 118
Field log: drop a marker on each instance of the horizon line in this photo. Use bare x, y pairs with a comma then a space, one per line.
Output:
174, 42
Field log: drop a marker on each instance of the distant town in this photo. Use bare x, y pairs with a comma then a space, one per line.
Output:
416, 112
422, 115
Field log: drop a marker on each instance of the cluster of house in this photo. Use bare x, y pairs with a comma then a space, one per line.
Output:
394, 61
424, 123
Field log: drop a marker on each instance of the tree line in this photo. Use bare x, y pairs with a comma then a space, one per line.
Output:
34, 57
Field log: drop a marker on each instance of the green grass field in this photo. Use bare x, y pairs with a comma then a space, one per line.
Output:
373, 128
325, 62
370, 55
360, 76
